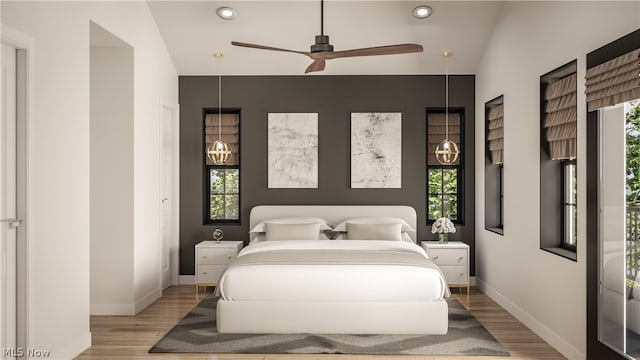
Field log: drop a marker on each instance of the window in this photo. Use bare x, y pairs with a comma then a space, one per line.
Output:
493, 166
222, 182
570, 213
558, 164
444, 182
224, 193
443, 193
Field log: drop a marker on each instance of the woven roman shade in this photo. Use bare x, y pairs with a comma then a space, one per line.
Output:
613, 82
436, 133
495, 135
229, 130
560, 118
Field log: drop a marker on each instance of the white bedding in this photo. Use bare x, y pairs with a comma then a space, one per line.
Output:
333, 270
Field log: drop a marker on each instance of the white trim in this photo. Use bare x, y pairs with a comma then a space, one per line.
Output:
147, 300
187, 279
112, 309
25, 43
548, 335
175, 192
72, 348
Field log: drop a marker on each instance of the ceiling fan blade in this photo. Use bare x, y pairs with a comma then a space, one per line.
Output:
262, 47
378, 50
316, 65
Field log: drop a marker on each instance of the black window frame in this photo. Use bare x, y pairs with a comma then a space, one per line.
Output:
564, 204
460, 167
494, 197
442, 194
207, 170
552, 218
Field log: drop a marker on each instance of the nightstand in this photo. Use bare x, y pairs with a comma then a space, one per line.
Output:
212, 258
453, 259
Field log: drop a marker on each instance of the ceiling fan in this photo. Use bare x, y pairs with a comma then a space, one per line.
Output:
322, 50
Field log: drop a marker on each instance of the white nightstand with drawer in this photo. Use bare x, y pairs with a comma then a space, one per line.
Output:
453, 259
212, 258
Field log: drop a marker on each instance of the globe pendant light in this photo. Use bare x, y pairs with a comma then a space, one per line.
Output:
447, 151
219, 153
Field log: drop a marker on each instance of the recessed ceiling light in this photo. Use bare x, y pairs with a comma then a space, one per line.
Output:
226, 13
422, 11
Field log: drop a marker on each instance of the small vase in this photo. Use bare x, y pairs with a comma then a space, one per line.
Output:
443, 238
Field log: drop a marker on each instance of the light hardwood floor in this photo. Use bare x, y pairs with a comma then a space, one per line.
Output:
130, 337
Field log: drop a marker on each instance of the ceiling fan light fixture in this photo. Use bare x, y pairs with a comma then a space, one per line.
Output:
226, 13
422, 12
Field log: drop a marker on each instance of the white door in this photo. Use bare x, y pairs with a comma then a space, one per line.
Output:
8, 202
166, 229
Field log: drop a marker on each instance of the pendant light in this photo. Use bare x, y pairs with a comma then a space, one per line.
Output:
447, 151
219, 153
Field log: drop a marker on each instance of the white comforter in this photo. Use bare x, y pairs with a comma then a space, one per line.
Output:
333, 270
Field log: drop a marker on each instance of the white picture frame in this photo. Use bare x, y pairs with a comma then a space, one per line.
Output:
376, 150
292, 150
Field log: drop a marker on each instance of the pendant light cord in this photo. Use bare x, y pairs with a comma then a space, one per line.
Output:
446, 96
219, 107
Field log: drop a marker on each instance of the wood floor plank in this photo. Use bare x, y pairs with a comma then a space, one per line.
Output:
131, 337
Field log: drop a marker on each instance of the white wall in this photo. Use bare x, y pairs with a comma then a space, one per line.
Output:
59, 163
111, 179
545, 291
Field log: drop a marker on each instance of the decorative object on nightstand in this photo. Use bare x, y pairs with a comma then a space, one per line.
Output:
443, 226
212, 258
453, 259
217, 235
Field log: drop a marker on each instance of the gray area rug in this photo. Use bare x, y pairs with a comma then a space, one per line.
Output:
196, 333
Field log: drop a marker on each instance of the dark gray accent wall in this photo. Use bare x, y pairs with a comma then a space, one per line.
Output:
334, 98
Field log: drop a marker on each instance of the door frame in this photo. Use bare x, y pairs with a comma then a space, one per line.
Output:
25, 67
595, 348
174, 243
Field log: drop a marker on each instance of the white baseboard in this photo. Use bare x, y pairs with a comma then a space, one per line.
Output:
71, 349
555, 340
112, 308
147, 300
187, 279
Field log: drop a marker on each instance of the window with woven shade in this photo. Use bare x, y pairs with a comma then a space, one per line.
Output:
445, 182
558, 164
560, 119
222, 182
614, 82
495, 135
229, 133
493, 168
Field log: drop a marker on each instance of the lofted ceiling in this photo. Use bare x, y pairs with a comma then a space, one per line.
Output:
193, 32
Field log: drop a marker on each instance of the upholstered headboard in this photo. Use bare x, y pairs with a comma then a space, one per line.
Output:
333, 213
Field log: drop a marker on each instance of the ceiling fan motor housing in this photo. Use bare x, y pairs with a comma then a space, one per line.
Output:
322, 44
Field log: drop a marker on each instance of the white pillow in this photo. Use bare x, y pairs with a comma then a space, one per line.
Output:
374, 231
291, 231
343, 236
259, 228
259, 237
342, 226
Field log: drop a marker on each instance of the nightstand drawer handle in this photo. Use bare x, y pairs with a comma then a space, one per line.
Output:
461, 274
461, 258
435, 258
228, 256
204, 257
204, 273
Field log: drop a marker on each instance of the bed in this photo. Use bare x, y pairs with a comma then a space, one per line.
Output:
354, 286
